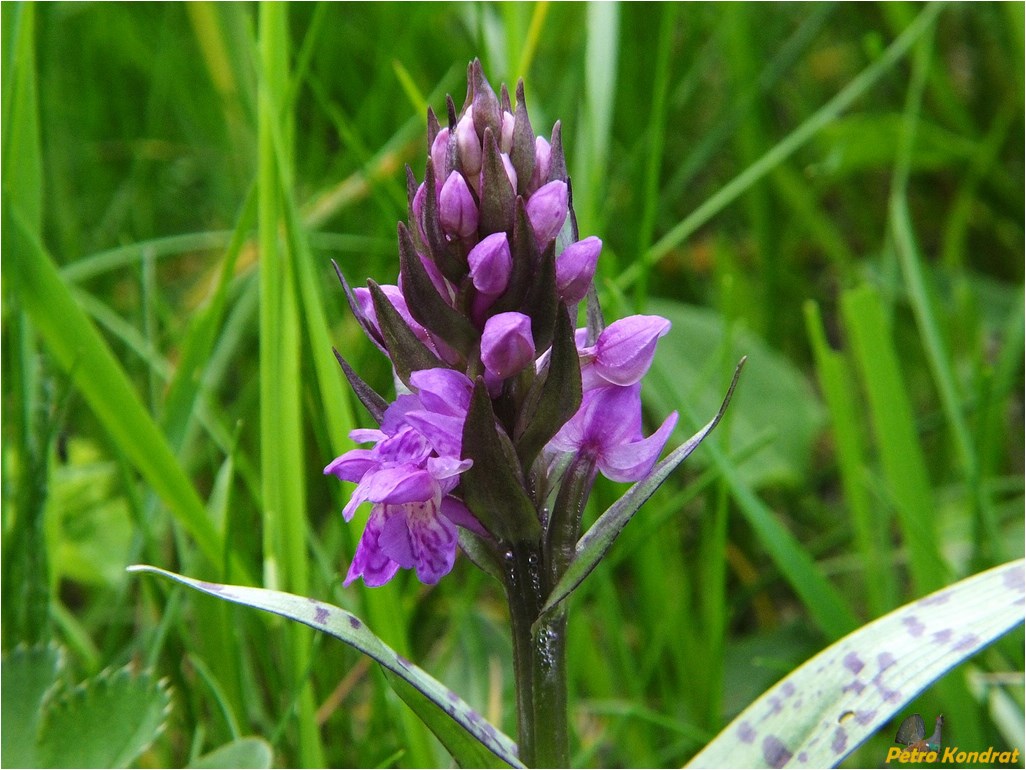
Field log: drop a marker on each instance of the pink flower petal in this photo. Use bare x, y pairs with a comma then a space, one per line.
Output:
459, 514
634, 460
624, 351
547, 210
370, 562
434, 541
394, 540
353, 464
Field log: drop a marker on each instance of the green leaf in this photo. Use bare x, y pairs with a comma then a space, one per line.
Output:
106, 722
248, 752
425, 303
370, 398
490, 487
471, 740
408, 353
553, 397
851, 689
603, 533
786, 147
521, 155
541, 302
890, 411
23, 165
497, 193
25, 677
526, 259
451, 266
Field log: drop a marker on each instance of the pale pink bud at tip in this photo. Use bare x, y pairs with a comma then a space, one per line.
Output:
468, 145
456, 208
506, 140
511, 172
438, 151
542, 164
418, 210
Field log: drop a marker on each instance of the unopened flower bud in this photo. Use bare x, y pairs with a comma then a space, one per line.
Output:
456, 208
507, 345
542, 164
468, 145
490, 264
506, 138
547, 210
438, 152
395, 296
418, 210
575, 268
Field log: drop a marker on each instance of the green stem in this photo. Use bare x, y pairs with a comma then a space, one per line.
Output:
539, 661
539, 643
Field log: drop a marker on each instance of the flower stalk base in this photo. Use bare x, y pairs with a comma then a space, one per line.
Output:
539, 660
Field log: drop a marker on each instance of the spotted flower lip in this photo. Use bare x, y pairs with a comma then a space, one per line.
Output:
408, 475
420, 535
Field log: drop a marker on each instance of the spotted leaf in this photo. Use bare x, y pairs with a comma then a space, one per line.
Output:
469, 738
821, 712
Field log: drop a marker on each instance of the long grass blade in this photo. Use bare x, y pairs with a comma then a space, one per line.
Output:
714, 204
891, 416
79, 349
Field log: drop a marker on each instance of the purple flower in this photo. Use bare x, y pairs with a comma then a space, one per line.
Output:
408, 475
623, 352
607, 430
417, 535
443, 397
493, 320
507, 345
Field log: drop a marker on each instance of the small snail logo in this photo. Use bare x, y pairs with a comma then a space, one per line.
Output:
912, 733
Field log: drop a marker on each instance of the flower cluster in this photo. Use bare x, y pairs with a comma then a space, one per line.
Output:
497, 387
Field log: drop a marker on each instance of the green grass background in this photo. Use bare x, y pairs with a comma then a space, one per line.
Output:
834, 190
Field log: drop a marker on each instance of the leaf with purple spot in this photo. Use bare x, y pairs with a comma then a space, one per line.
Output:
471, 740
851, 689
